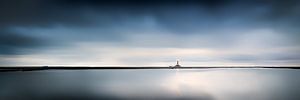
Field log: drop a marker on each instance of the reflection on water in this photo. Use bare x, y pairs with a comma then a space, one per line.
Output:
200, 84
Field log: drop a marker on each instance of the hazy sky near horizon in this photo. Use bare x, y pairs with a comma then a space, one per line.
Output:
150, 32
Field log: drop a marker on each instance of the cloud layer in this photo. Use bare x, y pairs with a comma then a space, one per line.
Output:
144, 32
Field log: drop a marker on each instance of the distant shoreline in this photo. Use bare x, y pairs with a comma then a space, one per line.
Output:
33, 68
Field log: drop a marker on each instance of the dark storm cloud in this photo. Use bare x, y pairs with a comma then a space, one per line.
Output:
28, 13
177, 16
72, 12
181, 16
36, 13
13, 43
284, 17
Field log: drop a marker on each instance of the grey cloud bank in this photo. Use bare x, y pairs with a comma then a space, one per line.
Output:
95, 32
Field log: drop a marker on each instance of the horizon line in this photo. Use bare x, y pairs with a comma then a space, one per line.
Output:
10, 69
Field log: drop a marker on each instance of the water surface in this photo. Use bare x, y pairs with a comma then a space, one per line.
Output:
180, 84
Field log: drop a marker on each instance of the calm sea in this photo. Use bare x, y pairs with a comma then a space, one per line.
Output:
145, 84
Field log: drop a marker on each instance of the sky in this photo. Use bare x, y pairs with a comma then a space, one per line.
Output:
150, 32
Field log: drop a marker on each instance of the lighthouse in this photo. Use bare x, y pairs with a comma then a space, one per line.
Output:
177, 64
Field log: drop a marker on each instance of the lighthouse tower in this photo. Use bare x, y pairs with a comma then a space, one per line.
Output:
177, 64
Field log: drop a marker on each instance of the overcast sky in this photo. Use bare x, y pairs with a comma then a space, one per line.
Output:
150, 32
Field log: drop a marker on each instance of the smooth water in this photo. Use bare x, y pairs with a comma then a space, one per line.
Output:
199, 84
